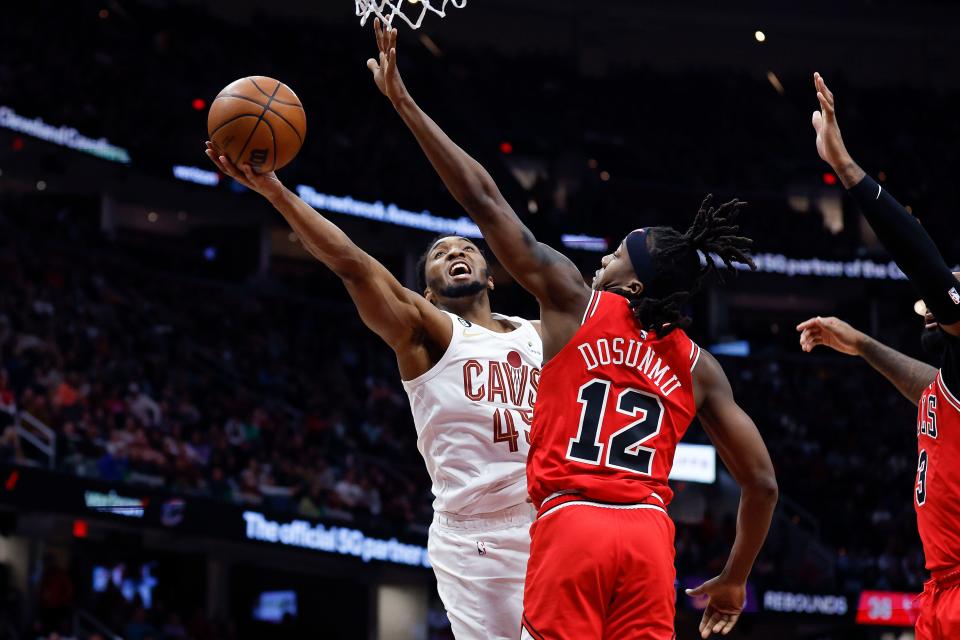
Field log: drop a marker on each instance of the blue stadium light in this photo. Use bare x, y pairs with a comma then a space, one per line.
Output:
62, 136
735, 348
196, 175
423, 220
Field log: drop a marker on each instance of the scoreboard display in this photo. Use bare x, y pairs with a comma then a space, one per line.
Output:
888, 608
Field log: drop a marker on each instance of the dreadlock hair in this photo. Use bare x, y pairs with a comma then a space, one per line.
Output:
676, 258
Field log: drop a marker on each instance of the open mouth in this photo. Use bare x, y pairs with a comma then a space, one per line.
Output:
459, 269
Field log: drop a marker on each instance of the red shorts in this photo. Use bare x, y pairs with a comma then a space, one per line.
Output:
600, 572
940, 607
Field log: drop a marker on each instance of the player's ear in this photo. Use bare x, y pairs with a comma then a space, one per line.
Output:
634, 287
430, 296
490, 284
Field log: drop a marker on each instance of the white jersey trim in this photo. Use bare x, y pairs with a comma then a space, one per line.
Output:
586, 312
587, 503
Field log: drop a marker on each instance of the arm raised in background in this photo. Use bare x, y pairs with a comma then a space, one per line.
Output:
404, 319
546, 273
904, 237
908, 375
745, 455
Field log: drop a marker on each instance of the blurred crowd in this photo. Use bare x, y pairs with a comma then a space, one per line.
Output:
204, 389
245, 394
273, 396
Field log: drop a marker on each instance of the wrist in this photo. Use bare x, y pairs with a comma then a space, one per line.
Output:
861, 343
277, 195
402, 102
848, 171
729, 576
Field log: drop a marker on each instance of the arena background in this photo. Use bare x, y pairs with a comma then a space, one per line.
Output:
200, 439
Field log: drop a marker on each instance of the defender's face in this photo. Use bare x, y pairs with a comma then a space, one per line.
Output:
455, 262
616, 271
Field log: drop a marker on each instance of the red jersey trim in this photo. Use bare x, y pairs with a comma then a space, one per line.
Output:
952, 399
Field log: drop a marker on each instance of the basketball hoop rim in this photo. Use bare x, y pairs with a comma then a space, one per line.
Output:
389, 10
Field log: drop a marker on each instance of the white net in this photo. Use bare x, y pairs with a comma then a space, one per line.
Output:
410, 11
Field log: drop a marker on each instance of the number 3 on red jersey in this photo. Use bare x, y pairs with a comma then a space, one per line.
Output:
624, 447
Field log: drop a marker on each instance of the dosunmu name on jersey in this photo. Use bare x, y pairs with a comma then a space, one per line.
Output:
627, 352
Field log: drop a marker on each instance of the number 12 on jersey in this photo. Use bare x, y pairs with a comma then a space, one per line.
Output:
624, 448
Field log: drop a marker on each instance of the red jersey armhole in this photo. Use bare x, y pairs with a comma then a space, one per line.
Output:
592, 306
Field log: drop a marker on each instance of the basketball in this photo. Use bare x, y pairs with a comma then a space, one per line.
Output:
257, 121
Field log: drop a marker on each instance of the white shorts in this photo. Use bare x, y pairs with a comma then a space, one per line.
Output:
480, 563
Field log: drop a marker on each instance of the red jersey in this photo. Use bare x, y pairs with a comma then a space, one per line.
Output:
611, 408
936, 494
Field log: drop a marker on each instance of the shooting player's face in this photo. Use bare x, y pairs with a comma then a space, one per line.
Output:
456, 268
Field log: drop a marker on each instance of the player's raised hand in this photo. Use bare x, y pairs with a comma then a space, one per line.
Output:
830, 332
724, 605
266, 184
829, 141
385, 72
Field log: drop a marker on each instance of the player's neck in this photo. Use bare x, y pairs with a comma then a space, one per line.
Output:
474, 309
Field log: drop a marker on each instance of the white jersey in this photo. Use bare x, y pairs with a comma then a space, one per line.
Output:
473, 412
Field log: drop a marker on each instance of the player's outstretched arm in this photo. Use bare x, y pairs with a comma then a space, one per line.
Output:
743, 452
546, 273
903, 236
908, 375
404, 319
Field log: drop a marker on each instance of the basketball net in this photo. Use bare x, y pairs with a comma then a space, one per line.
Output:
387, 10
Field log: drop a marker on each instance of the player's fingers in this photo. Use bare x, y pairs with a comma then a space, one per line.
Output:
216, 161
213, 158
392, 41
707, 628
816, 120
727, 628
824, 103
393, 58
703, 623
378, 31
228, 167
248, 172
806, 324
826, 90
372, 65
721, 622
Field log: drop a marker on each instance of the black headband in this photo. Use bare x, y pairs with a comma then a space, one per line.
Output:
640, 257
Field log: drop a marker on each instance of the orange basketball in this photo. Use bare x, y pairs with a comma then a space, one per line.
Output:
257, 121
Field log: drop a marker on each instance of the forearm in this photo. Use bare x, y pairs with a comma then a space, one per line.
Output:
908, 375
466, 179
909, 244
757, 502
323, 239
